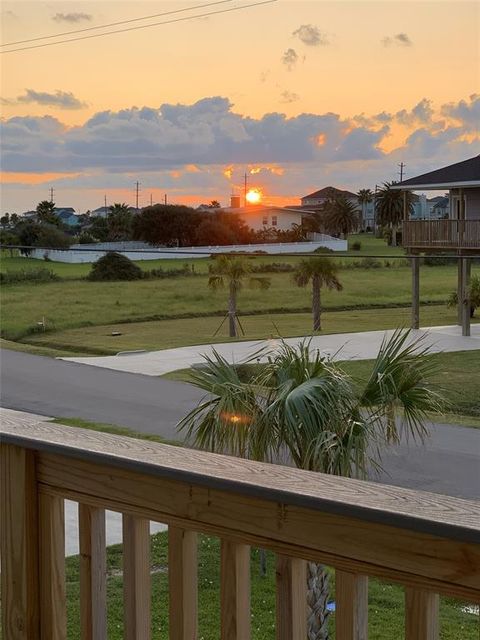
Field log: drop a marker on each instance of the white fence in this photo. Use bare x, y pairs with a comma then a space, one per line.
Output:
91, 253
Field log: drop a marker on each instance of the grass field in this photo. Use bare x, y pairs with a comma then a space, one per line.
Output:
166, 334
386, 601
67, 305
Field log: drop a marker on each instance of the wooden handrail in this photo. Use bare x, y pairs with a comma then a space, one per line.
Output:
441, 234
430, 543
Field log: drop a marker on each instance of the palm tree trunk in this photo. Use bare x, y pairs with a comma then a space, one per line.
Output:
232, 312
394, 235
316, 308
317, 599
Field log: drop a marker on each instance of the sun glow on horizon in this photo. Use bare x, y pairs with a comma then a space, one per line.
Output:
254, 196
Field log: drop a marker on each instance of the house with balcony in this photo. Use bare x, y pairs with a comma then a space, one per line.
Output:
458, 234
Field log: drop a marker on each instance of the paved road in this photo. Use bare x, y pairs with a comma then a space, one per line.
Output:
449, 463
64, 389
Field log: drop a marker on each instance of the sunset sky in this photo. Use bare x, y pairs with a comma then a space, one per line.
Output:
300, 93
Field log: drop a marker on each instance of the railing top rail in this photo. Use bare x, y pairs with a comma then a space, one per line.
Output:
429, 513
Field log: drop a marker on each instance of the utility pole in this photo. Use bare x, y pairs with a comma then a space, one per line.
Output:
402, 167
105, 202
165, 198
245, 178
52, 191
137, 189
151, 200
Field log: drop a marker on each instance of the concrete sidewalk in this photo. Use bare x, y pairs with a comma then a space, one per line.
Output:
340, 346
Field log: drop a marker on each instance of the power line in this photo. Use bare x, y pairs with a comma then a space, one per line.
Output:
144, 26
115, 24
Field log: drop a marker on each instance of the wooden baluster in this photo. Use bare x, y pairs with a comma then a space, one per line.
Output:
182, 578
19, 544
136, 578
421, 614
291, 598
53, 602
93, 572
235, 591
351, 607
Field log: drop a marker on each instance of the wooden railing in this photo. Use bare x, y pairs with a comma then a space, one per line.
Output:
429, 543
441, 234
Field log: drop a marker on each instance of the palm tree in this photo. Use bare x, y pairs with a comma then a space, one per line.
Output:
389, 207
300, 407
341, 216
233, 271
46, 212
364, 197
119, 220
321, 272
473, 295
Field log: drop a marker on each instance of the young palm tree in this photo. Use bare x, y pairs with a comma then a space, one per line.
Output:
341, 216
119, 220
473, 294
305, 409
233, 271
364, 197
321, 272
389, 207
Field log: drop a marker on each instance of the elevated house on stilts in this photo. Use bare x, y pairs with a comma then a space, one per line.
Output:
458, 235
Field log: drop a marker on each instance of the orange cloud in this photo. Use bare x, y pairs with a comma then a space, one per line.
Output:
321, 139
9, 177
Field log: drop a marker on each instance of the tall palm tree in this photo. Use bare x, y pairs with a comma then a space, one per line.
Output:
233, 271
364, 197
119, 221
302, 408
46, 212
389, 207
321, 272
341, 216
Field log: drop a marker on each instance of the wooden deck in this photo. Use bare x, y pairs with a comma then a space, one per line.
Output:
427, 542
441, 234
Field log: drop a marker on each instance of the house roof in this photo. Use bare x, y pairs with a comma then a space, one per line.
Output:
330, 192
460, 174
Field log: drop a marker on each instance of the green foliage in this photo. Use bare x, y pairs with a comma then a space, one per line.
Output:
389, 205
119, 223
115, 266
341, 216
356, 246
86, 238
46, 213
322, 269
473, 293
50, 236
28, 275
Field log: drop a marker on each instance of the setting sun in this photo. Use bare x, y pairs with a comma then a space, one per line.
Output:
254, 196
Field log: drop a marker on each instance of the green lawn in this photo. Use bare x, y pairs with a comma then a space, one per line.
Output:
386, 603
166, 334
72, 304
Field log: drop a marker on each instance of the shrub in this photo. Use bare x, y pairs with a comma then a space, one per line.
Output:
185, 270
28, 275
273, 267
439, 261
86, 238
368, 263
323, 250
115, 266
356, 246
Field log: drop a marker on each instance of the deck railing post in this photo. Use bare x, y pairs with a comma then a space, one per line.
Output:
291, 598
136, 578
93, 572
421, 615
235, 591
351, 611
19, 544
183, 583
53, 599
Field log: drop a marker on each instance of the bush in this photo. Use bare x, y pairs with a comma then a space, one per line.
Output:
323, 250
439, 261
86, 238
115, 266
185, 270
28, 275
356, 246
368, 263
273, 267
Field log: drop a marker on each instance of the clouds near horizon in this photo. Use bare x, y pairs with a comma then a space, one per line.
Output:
58, 99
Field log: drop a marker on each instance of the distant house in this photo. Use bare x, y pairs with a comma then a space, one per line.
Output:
101, 212
317, 200
67, 215
259, 217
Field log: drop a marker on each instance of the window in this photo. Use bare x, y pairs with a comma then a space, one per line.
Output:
274, 221
265, 220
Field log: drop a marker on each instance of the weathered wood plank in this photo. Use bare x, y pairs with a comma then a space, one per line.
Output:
136, 578
235, 591
19, 544
415, 510
53, 603
351, 544
93, 573
182, 578
421, 615
351, 602
291, 598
